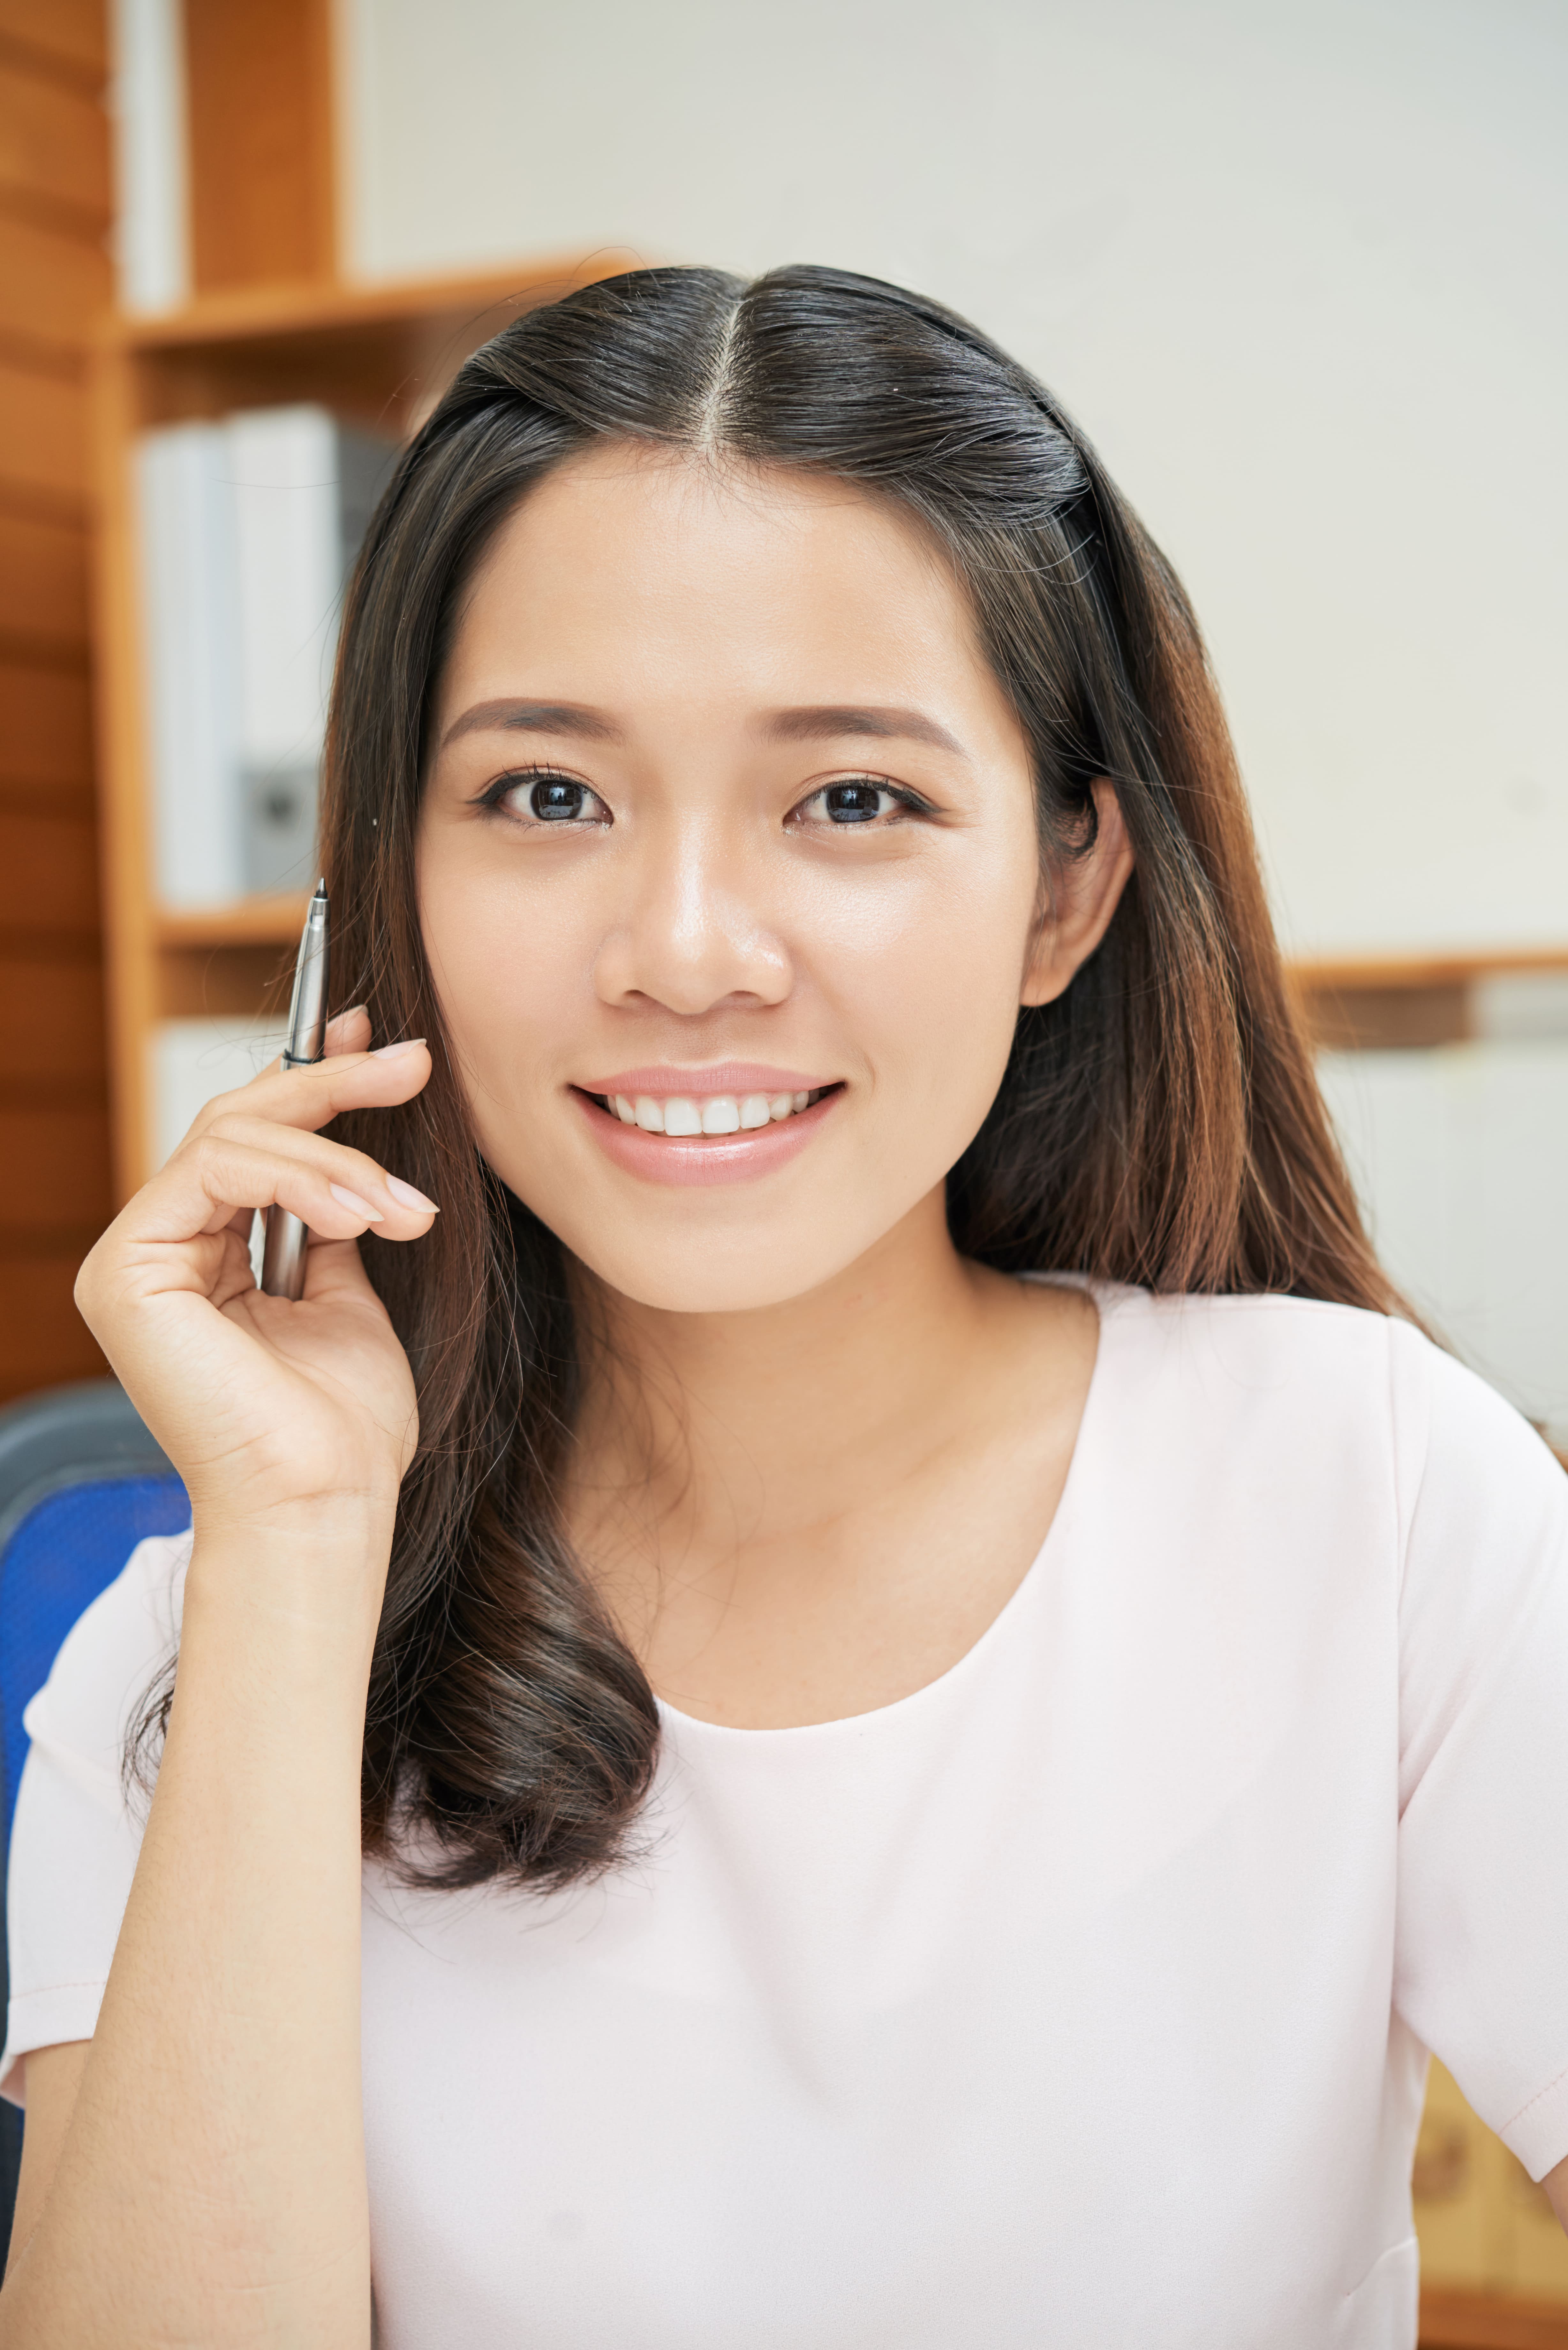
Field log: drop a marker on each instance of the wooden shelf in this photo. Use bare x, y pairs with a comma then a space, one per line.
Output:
254, 313
252, 922
379, 353
1398, 1001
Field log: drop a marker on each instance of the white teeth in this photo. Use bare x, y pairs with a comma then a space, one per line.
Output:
711, 1114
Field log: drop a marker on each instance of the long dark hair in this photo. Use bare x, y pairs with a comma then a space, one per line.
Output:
1159, 1124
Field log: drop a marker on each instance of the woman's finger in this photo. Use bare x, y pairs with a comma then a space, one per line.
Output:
234, 1276
334, 1271
347, 1032
152, 1242
351, 1174
334, 1275
312, 1097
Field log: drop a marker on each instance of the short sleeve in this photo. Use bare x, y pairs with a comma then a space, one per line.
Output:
1482, 1941
74, 1839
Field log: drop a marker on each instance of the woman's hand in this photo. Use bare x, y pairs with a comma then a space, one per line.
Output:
199, 2172
274, 1413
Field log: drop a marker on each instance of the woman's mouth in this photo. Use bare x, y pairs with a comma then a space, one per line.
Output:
687, 1115
743, 1123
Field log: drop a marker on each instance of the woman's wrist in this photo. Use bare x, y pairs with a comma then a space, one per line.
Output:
343, 1522
316, 1581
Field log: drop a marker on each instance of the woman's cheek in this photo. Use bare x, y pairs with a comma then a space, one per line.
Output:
931, 996
504, 975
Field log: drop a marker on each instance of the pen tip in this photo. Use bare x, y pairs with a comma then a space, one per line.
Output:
321, 887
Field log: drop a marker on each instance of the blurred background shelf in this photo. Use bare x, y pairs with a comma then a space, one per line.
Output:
1396, 1003
272, 922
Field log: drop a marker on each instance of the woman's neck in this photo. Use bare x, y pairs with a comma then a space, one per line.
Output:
789, 1406
754, 1491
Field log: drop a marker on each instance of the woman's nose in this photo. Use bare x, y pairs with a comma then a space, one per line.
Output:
693, 929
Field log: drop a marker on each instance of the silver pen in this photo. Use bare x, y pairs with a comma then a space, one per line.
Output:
287, 1239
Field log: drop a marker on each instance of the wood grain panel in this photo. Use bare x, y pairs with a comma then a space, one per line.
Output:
55, 284
53, 1028
259, 99
53, 143
46, 727
54, 1170
42, 1338
43, 578
71, 33
42, 433
48, 874
52, 288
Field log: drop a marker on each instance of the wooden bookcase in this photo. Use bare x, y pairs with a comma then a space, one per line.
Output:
379, 355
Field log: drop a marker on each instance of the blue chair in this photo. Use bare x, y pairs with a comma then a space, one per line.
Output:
81, 1484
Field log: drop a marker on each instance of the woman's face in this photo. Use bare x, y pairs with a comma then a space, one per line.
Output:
728, 873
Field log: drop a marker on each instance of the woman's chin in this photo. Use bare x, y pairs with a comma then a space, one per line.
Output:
747, 1279
727, 1246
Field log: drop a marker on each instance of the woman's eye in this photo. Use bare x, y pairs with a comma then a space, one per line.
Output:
555, 802
860, 803
551, 799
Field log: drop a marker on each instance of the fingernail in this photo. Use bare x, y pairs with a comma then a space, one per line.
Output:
341, 1019
405, 1194
357, 1206
391, 1052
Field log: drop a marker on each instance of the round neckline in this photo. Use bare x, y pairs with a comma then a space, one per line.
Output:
1108, 1297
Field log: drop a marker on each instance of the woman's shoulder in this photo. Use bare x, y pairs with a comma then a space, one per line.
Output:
1289, 1336
106, 1663
1310, 1374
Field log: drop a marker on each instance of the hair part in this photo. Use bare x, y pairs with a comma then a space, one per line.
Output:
1158, 1123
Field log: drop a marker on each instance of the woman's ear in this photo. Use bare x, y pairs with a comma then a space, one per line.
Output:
1086, 890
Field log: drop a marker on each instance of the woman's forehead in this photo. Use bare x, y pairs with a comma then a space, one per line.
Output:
630, 572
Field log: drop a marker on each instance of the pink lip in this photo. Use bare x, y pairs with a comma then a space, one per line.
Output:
716, 1159
720, 1078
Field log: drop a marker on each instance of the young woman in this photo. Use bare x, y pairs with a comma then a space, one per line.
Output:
872, 1695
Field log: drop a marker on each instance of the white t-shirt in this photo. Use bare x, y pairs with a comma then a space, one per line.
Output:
1081, 1999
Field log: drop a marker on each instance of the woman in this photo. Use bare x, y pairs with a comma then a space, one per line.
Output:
871, 1695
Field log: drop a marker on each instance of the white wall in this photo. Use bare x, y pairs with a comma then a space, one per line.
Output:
1298, 267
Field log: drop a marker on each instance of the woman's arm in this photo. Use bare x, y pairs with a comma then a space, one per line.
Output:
207, 2183
210, 2185
53, 2076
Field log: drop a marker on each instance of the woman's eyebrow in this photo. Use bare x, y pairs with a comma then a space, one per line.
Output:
813, 723
829, 721
533, 718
